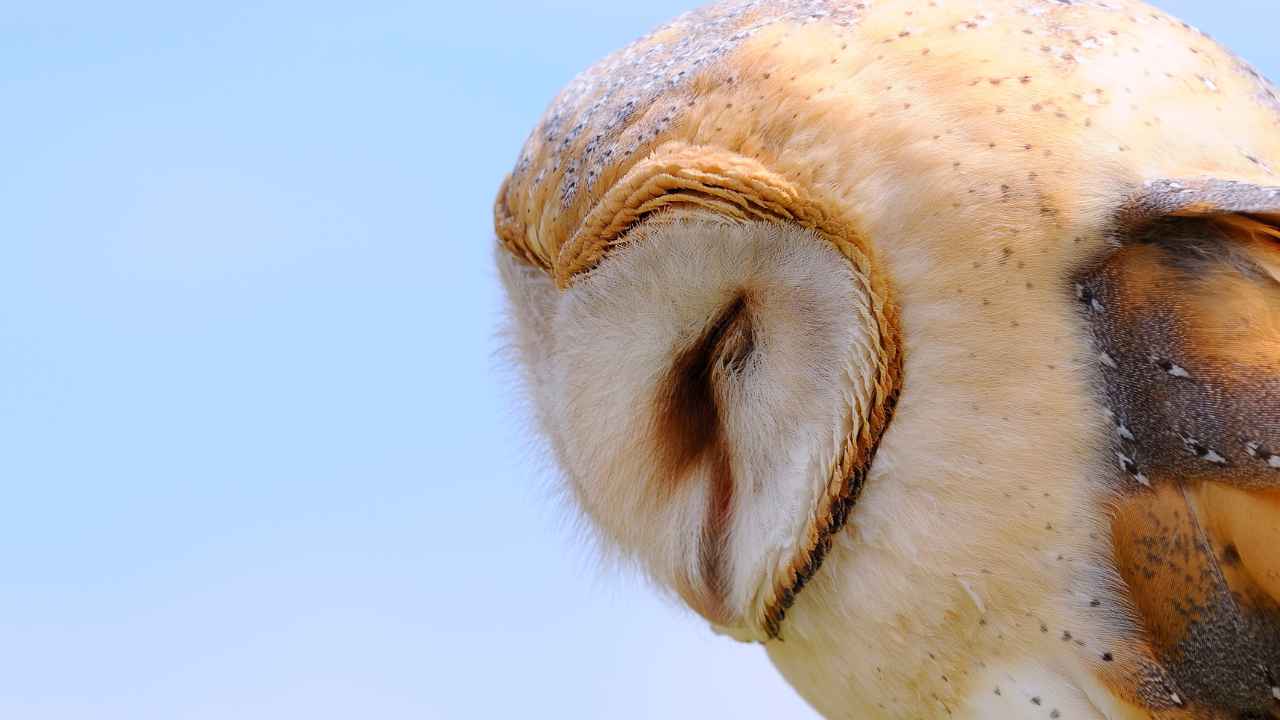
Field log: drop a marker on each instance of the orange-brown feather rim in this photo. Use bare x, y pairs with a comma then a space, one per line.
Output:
679, 176
845, 487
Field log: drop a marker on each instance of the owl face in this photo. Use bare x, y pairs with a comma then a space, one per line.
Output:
936, 346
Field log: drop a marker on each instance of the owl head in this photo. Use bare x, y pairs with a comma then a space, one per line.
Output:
933, 345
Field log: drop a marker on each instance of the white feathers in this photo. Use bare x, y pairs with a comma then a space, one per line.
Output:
973, 595
602, 355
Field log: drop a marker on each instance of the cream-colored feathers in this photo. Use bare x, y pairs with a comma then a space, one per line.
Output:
734, 248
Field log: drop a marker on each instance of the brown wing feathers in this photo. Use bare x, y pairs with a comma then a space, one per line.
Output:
1186, 319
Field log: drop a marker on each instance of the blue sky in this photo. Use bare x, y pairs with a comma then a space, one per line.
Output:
255, 446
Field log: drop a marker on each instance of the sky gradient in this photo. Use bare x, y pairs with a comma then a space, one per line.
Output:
256, 445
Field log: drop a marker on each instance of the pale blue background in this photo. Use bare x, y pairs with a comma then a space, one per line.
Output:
256, 461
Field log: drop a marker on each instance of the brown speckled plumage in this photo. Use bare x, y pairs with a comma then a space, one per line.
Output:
1195, 417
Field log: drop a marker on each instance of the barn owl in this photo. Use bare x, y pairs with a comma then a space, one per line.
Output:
932, 344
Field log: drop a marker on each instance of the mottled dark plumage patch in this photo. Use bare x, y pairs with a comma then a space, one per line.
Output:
1185, 317
1157, 321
